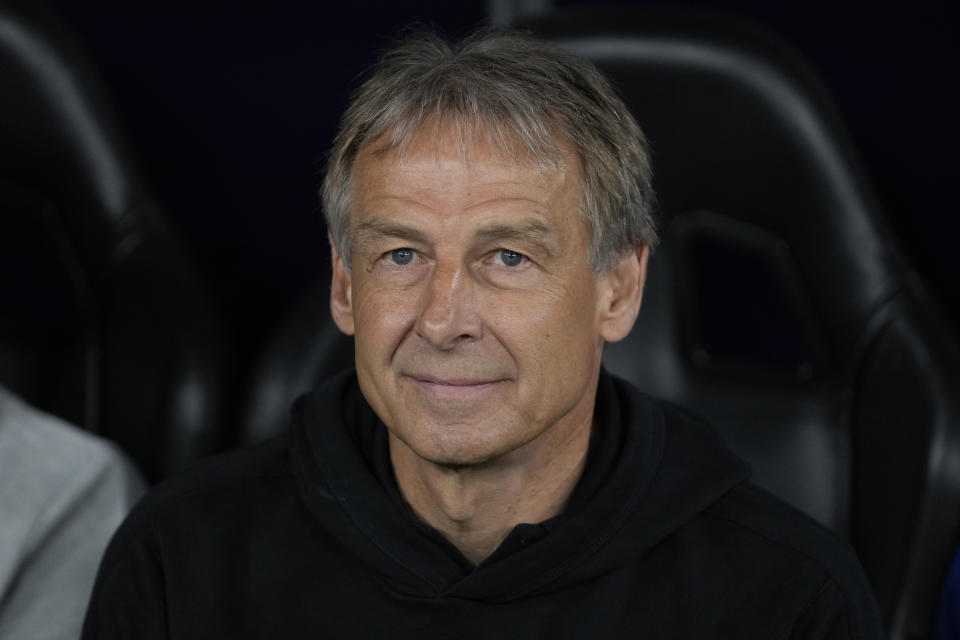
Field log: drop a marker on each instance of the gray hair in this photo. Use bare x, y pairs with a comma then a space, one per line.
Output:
525, 95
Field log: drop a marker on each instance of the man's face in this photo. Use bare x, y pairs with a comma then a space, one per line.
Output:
479, 321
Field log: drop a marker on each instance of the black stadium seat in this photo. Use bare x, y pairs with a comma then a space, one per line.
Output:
102, 319
779, 304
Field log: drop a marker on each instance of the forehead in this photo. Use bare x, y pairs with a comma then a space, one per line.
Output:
543, 145
442, 156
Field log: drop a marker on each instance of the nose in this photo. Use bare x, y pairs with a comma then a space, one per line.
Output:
448, 315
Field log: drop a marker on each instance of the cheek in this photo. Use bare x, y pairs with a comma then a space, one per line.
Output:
383, 317
571, 309
557, 323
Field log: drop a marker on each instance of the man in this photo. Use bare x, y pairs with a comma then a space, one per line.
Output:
479, 475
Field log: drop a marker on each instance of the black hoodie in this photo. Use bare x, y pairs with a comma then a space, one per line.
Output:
308, 537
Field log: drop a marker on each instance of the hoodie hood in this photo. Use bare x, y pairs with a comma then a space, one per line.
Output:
669, 468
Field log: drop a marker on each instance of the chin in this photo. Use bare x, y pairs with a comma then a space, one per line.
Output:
449, 446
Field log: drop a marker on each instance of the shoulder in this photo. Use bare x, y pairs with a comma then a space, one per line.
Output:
757, 515
764, 517
49, 447
234, 476
213, 493
755, 538
195, 527
779, 539
48, 466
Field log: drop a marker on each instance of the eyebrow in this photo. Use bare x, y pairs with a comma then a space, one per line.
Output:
530, 231
378, 227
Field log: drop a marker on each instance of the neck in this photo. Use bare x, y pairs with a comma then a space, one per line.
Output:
476, 506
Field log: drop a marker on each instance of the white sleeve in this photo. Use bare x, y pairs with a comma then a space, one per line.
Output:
62, 495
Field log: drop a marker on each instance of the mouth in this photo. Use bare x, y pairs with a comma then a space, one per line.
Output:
453, 387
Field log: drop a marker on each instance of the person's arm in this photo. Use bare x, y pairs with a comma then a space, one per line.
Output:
50, 585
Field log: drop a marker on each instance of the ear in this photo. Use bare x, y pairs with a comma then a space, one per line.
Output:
341, 292
621, 294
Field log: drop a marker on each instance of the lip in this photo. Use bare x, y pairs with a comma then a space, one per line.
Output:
452, 388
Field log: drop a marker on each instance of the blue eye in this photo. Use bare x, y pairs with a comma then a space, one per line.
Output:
511, 258
401, 257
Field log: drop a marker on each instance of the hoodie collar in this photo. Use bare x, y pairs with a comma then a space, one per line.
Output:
646, 485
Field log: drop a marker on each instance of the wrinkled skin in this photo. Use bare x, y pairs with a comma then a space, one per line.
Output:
479, 321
